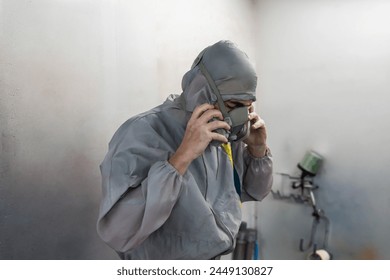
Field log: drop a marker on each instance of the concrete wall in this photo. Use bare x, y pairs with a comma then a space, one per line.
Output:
70, 73
324, 70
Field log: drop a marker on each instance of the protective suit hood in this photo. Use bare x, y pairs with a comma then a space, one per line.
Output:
229, 68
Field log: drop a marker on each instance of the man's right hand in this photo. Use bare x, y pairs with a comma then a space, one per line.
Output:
198, 135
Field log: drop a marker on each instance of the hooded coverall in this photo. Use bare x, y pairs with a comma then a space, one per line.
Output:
150, 211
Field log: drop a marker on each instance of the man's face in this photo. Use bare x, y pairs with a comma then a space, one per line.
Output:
239, 119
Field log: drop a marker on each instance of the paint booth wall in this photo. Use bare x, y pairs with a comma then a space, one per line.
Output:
324, 82
70, 73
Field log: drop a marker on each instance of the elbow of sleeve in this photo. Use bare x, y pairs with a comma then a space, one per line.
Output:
106, 235
115, 237
258, 192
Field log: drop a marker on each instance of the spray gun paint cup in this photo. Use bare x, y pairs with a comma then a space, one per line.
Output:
310, 163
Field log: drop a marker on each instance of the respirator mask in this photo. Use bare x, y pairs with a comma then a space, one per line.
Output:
237, 118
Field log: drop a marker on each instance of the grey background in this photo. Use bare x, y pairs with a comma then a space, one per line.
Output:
72, 71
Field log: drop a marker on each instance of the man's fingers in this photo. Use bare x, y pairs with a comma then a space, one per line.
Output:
258, 124
209, 114
256, 121
251, 109
219, 137
199, 110
253, 116
218, 124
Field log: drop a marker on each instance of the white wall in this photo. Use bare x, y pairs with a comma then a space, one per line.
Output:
324, 70
70, 73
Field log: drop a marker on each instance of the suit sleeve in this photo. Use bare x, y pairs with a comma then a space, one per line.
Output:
257, 176
142, 209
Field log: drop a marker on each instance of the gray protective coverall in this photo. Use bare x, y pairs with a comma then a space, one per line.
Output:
149, 210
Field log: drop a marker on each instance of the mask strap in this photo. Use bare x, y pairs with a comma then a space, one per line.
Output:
216, 92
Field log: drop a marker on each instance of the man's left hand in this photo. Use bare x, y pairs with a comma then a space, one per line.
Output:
257, 138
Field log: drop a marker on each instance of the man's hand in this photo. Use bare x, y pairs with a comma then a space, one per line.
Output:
198, 135
257, 138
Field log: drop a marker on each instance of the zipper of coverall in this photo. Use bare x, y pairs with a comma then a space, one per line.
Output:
224, 227
219, 222
207, 180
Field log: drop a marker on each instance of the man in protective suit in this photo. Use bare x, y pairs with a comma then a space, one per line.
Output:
174, 177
